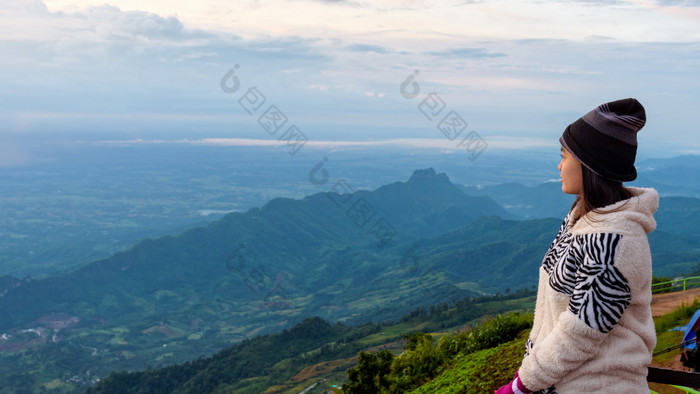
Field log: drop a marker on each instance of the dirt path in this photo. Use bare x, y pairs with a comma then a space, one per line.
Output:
662, 304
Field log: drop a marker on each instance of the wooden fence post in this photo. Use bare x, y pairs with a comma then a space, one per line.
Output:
672, 376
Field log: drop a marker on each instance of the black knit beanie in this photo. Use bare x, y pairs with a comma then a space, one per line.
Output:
605, 139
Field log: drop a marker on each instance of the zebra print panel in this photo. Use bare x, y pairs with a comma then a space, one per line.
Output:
562, 261
528, 346
601, 293
558, 247
582, 267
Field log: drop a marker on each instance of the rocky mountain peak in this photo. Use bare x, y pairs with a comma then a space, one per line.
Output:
428, 174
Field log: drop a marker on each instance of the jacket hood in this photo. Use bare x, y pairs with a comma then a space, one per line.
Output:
634, 216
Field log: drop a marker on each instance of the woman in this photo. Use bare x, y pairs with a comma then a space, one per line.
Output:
593, 331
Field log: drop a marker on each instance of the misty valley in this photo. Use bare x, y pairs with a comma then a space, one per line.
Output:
125, 257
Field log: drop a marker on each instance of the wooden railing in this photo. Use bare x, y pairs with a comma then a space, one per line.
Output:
678, 379
681, 380
679, 284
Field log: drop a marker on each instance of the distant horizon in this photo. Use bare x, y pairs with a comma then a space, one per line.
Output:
17, 151
346, 70
72, 183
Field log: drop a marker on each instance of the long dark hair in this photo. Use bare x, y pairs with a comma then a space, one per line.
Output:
598, 192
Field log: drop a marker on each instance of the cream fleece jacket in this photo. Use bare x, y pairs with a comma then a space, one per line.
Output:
593, 330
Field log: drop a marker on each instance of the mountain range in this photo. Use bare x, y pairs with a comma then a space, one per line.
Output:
347, 257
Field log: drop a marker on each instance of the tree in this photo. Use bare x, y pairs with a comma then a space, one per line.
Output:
371, 375
419, 363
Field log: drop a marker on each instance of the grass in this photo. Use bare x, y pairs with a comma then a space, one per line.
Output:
480, 372
486, 370
678, 317
665, 340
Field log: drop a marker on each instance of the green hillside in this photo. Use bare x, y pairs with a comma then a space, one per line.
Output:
348, 258
476, 360
274, 363
480, 372
176, 298
285, 249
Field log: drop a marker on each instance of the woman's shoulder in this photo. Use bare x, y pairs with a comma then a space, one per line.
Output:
647, 198
634, 216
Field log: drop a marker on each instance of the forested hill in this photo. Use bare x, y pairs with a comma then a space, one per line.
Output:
286, 250
312, 340
348, 257
341, 256
273, 363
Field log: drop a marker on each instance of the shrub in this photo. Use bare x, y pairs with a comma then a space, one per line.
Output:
665, 288
423, 359
420, 362
502, 329
371, 373
480, 372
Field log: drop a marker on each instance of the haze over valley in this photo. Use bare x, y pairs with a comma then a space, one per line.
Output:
125, 255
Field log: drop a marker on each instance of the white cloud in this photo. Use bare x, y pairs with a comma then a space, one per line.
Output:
444, 144
507, 67
379, 22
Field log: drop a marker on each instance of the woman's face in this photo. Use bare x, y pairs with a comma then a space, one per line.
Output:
570, 172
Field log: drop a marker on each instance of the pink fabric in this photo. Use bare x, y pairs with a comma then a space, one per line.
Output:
514, 387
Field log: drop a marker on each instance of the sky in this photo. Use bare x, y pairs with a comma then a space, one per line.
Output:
515, 73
